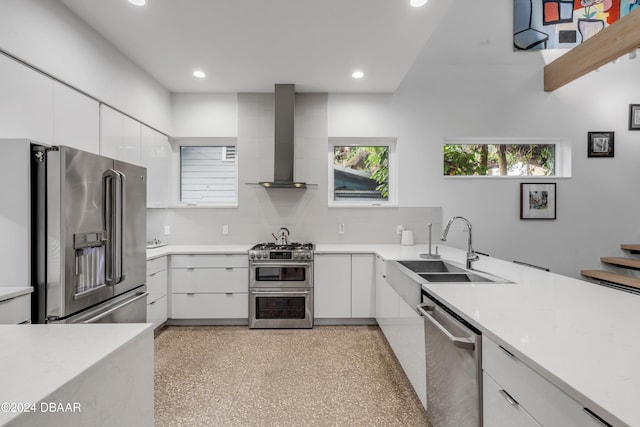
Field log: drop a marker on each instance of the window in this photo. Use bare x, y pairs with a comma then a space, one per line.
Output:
362, 172
505, 157
208, 175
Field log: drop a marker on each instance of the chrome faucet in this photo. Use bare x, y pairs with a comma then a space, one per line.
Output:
471, 255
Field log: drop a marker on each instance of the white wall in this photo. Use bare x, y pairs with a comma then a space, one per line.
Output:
597, 207
204, 115
305, 212
48, 36
361, 115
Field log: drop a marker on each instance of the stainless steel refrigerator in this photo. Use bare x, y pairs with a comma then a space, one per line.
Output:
88, 237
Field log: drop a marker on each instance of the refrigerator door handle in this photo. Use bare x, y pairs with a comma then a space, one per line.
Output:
113, 192
116, 308
122, 185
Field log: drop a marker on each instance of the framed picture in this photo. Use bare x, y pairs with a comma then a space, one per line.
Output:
537, 201
600, 144
634, 117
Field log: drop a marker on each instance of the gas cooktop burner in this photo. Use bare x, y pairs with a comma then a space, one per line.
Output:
290, 247
273, 252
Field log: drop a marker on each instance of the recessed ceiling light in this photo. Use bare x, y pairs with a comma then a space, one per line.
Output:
138, 2
357, 74
199, 74
418, 3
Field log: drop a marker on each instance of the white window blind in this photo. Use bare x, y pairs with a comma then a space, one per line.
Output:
229, 154
208, 175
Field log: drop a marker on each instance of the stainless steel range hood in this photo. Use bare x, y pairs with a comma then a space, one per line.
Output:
285, 103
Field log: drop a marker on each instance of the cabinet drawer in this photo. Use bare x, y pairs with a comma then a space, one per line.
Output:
497, 411
15, 310
210, 306
157, 285
157, 311
549, 405
195, 261
209, 280
156, 264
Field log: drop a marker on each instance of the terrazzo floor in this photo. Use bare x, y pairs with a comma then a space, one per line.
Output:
325, 376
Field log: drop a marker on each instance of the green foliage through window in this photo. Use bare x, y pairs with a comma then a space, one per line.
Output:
499, 159
361, 172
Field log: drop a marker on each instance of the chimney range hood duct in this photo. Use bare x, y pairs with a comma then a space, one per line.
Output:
285, 102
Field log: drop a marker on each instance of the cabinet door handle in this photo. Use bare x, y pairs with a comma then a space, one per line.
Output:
153, 274
596, 418
190, 268
228, 268
508, 353
152, 302
228, 293
508, 397
190, 293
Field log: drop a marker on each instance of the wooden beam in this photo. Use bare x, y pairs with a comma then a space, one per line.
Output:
609, 44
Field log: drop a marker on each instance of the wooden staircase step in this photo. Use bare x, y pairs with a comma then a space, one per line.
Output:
632, 247
607, 276
622, 262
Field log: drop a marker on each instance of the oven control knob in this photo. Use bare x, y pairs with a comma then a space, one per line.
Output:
296, 255
252, 255
258, 255
265, 255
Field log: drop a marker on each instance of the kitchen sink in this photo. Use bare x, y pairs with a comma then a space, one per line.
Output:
455, 277
440, 271
437, 266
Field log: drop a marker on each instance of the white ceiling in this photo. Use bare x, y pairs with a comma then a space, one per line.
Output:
249, 45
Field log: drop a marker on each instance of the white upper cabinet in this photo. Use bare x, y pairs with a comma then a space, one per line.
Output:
155, 154
26, 102
76, 119
119, 136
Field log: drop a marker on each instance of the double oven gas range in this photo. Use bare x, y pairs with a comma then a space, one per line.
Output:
281, 285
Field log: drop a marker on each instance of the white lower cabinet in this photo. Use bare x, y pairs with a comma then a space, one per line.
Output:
535, 396
499, 409
15, 310
332, 286
344, 286
403, 328
210, 306
157, 311
157, 288
363, 290
209, 287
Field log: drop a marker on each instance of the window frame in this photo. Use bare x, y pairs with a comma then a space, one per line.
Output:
392, 143
562, 152
204, 142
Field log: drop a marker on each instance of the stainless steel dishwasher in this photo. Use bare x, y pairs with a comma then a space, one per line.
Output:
454, 370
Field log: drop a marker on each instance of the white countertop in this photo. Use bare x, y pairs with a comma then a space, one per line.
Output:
37, 360
9, 292
197, 250
581, 336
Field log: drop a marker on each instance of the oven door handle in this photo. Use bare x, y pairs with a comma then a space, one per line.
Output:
280, 264
278, 293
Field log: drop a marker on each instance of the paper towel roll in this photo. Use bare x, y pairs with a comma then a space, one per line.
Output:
407, 237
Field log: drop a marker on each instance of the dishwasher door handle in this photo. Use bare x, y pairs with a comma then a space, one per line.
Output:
460, 342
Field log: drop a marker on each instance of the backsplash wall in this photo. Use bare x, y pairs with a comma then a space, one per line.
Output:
376, 226
305, 213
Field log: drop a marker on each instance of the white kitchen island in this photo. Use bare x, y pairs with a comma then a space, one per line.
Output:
64, 375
